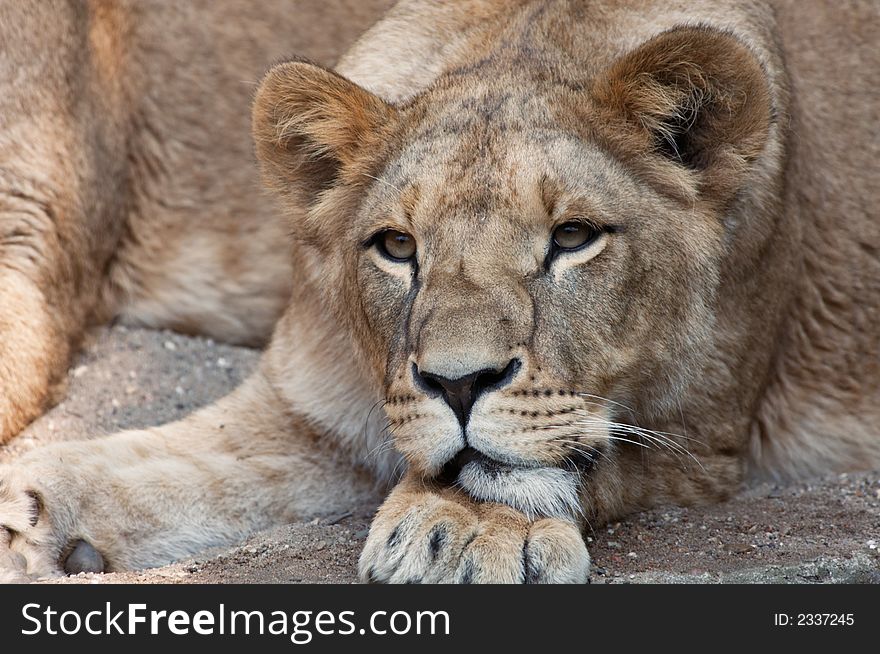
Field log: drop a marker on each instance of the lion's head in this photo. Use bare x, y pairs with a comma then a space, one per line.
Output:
523, 254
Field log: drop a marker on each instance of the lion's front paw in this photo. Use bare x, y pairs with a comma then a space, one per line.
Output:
423, 537
28, 545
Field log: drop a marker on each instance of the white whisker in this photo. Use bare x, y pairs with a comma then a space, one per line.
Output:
647, 438
605, 399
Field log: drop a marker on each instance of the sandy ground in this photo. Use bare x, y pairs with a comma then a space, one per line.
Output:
827, 530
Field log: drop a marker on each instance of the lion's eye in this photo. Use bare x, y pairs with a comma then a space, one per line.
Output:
395, 245
573, 235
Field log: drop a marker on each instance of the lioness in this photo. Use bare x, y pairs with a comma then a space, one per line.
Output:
572, 259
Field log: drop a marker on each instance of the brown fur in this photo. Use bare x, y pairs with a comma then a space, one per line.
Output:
720, 323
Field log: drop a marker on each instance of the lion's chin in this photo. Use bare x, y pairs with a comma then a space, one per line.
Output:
539, 492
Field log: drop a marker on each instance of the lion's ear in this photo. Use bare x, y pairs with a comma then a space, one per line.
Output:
695, 96
311, 128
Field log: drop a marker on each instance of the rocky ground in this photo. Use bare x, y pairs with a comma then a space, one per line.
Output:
827, 530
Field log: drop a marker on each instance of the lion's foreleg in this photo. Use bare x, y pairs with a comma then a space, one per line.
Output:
145, 498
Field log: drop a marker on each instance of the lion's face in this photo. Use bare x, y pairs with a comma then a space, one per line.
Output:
520, 291
522, 287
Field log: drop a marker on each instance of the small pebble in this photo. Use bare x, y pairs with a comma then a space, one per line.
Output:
169, 345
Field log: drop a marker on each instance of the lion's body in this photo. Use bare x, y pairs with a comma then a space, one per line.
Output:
819, 411
127, 184
731, 303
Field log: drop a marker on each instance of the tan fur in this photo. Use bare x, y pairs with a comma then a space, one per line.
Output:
127, 185
720, 323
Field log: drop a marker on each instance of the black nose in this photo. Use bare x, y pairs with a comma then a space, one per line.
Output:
460, 394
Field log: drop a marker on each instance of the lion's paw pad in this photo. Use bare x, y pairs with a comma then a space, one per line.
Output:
83, 558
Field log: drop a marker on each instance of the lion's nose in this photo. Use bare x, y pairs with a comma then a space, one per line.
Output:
461, 394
